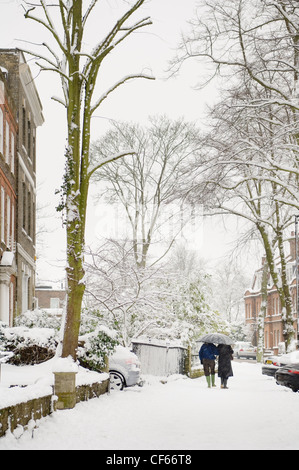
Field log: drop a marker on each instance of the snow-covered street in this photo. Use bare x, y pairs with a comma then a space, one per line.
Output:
254, 413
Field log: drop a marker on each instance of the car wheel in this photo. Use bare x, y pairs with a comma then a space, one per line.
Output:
117, 381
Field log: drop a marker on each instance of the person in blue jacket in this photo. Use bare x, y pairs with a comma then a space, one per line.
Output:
207, 356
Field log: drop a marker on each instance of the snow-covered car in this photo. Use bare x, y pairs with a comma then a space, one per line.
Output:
124, 369
244, 349
288, 376
273, 363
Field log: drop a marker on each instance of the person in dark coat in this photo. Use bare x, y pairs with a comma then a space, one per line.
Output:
224, 363
207, 356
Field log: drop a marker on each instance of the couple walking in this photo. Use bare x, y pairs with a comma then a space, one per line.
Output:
207, 356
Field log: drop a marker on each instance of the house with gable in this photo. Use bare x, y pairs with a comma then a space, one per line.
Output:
273, 327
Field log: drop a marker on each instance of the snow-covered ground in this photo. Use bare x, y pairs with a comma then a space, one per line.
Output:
254, 413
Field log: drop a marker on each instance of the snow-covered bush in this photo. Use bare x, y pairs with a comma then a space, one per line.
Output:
28, 345
95, 347
90, 319
42, 319
35, 338
38, 319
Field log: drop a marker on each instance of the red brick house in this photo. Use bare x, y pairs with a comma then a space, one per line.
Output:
8, 201
20, 115
273, 320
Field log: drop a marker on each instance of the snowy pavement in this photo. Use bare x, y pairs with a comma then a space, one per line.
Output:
254, 413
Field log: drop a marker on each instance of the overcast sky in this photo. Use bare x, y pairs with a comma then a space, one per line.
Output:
150, 51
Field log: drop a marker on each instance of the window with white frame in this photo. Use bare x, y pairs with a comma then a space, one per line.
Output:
54, 302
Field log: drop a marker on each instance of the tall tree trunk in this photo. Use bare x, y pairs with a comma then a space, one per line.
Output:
282, 288
262, 314
78, 84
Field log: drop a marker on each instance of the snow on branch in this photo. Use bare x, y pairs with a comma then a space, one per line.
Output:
48, 24
116, 85
109, 160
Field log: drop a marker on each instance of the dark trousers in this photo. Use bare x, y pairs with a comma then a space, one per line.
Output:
208, 366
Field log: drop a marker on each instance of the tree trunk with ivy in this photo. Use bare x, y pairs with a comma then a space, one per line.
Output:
79, 71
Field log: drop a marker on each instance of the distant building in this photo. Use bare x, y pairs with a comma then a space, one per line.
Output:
49, 298
273, 331
20, 115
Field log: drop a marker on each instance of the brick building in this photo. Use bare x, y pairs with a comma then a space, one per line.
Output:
8, 200
50, 298
20, 115
273, 331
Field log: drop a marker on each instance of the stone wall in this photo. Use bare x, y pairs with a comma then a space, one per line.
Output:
22, 413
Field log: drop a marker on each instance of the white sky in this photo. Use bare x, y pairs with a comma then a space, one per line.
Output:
149, 51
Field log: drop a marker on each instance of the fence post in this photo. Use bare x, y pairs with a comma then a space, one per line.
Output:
65, 370
188, 361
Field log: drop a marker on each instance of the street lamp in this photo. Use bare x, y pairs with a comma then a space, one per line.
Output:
297, 271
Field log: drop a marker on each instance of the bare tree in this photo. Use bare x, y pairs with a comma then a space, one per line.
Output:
79, 69
165, 301
252, 48
256, 193
147, 185
129, 300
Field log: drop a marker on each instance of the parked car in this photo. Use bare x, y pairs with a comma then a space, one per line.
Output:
124, 369
244, 349
273, 363
270, 366
288, 376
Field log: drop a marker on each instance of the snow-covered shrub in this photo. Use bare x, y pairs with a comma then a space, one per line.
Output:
2, 336
28, 345
90, 320
38, 319
96, 347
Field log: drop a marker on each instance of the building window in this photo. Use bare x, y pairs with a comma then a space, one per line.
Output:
12, 152
2, 216
1, 131
24, 126
33, 222
29, 208
54, 302
29, 139
8, 221
248, 310
266, 339
33, 151
24, 206
7, 153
